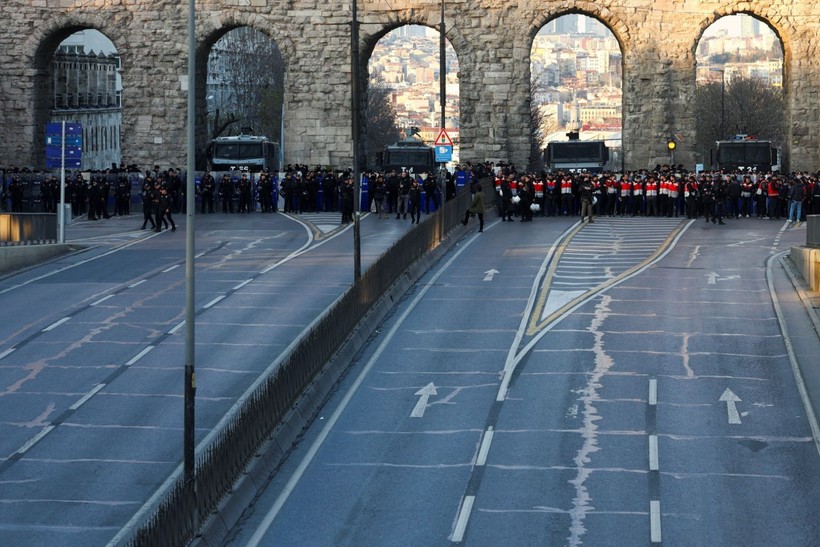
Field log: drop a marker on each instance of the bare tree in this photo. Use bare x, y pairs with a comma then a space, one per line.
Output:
380, 121
746, 106
541, 124
246, 81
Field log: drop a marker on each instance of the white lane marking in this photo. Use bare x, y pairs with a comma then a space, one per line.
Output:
137, 284
653, 391
36, 439
7, 353
86, 397
653, 453
331, 422
174, 267
56, 324
179, 326
242, 284
655, 521
103, 299
511, 362
485, 446
424, 395
463, 518
212, 302
139, 356
80, 263
730, 399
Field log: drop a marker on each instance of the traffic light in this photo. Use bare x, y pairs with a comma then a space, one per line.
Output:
671, 144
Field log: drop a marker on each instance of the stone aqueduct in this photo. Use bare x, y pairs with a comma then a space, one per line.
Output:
492, 38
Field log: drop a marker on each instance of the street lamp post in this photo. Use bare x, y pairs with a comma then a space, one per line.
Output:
442, 76
190, 377
355, 129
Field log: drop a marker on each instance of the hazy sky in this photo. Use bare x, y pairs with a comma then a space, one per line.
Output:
93, 40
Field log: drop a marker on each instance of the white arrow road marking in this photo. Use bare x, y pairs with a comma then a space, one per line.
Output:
730, 399
488, 275
714, 277
421, 405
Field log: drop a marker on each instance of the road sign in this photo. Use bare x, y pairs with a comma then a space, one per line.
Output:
443, 139
69, 145
444, 154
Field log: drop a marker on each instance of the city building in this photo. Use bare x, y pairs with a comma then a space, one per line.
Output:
87, 90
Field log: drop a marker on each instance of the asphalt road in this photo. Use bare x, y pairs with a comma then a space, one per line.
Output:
622, 383
92, 355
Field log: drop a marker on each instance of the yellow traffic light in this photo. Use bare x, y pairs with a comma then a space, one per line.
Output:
671, 144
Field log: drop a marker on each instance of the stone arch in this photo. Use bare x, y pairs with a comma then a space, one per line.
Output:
610, 20
781, 31
38, 52
387, 23
593, 11
214, 27
395, 20
209, 33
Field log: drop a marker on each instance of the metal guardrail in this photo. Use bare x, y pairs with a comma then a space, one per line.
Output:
187, 505
813, 230
28, 228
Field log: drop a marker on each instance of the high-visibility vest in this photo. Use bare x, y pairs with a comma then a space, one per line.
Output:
611, 188
566, 186
624, 188
651, 189
773, 190
673, 189
539, 189
637, 189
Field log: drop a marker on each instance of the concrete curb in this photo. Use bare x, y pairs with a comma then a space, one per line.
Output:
14, 258
274, 451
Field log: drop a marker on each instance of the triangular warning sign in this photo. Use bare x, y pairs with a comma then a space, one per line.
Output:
443, 139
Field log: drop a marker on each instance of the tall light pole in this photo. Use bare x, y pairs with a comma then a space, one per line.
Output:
190, 204
356, 130
442, 76
442, 71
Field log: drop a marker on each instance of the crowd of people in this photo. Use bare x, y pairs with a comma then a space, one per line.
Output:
669, 191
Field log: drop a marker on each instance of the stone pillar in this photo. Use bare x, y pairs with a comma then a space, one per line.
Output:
155, 64
494, 86
802, 85
318, 125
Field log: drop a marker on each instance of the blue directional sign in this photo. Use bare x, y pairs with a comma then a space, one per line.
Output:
444, 154
73, 145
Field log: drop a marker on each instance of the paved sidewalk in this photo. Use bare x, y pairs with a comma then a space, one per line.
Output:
799, 308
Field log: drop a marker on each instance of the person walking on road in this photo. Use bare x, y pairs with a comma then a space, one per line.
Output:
477, 208
414, 202
796, 195
586, 200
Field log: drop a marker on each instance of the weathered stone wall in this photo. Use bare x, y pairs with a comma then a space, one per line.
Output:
491, 37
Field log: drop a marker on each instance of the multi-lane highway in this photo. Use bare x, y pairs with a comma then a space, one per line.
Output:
92, 355
625, 382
